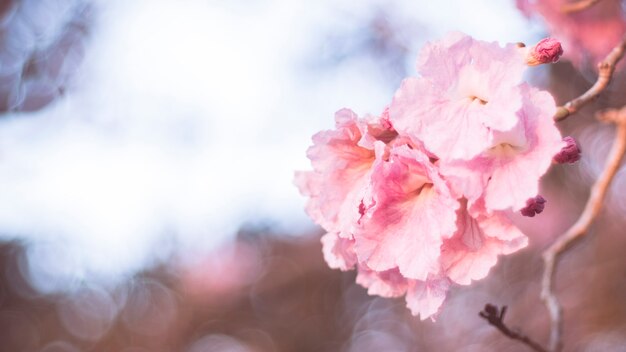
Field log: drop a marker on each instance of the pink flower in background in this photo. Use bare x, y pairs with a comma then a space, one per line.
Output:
586, 35
467, 89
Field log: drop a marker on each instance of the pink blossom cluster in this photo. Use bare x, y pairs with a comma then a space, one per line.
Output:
416, 199
588, 35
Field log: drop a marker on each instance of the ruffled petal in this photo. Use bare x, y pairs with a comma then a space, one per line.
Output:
389, 283
474, 249
425, 298
413, 212
515, 177
338, 252
467, 89
340, 174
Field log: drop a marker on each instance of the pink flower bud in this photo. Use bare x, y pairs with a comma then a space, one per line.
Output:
547, 51
534, 206
570, 153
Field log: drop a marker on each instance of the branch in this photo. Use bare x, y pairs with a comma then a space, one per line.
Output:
496, 319
551, 255
578, 5
605, 72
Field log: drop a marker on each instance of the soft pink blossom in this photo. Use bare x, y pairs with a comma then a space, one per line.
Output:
467, 88
341, 163
588, 35
410, 212
507, 173
475, 247
415, 199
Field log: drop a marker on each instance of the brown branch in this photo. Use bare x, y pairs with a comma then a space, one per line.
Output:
551, 255
495, 318
578, 5
606, 68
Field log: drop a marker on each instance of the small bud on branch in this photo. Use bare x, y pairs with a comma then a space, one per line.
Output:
547, 51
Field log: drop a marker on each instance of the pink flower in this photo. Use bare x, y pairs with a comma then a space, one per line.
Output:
587, 35
410, 212
467, 89
341, 160
508, 172
466, 256
475, 247
414, 199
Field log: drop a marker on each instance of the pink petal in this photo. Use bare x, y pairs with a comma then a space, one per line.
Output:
449, 129
425, 298
474, 249
388, 283
338, 252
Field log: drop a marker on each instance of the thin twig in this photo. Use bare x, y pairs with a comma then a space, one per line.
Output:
578, 5
551, 255
605, 72
495, 318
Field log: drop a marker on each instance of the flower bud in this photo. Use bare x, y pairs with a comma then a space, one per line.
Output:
570, 153
534, 206
547, 51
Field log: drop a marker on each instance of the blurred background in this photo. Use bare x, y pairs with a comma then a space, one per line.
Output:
147, 151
